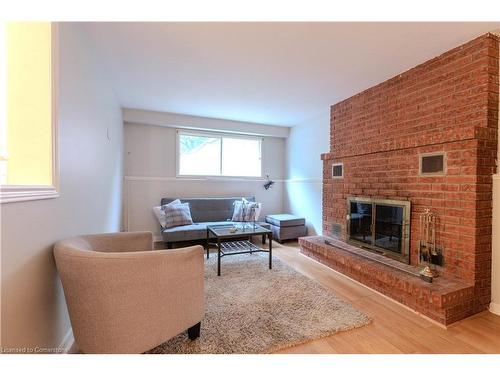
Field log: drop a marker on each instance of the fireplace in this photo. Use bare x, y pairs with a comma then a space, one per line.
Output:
381, 141
380, 225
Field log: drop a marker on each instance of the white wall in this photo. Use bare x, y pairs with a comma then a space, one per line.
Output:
150, 169
304, 172
495, 256
169, 119
33, 306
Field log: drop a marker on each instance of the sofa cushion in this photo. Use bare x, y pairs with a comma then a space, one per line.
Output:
209, 209
195, 231
285, 220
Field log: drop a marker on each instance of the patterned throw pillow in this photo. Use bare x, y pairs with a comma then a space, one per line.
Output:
176, 215
255, 211
160, 213
246, 211
238, 211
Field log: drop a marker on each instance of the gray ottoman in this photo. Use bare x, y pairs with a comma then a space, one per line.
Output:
286, 226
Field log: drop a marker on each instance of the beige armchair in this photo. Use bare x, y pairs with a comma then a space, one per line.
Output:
125, 297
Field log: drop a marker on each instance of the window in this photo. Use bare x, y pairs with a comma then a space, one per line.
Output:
432, 164
212, 154
338, 170
28, 143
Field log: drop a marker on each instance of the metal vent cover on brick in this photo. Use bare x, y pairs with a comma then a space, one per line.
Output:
338, 170
431, 164
336, 230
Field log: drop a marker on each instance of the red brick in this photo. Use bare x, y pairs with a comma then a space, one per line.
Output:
449, 104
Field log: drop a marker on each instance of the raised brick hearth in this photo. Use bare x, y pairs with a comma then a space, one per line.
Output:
446, 300
448, 104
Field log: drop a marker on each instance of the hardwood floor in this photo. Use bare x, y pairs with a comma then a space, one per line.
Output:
394, 328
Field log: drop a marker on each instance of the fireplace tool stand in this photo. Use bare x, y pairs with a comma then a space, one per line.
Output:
427, 245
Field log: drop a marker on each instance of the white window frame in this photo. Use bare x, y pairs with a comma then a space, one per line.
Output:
21, 193
221, 135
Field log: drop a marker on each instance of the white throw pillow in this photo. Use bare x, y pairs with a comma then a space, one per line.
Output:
246, 211
238, 211
160, 213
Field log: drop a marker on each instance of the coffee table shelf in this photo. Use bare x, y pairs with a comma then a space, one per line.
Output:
230, 243
239, 247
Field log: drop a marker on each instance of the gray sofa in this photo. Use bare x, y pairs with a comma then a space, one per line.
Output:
204, 211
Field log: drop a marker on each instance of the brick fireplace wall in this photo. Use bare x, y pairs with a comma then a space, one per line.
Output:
450, 104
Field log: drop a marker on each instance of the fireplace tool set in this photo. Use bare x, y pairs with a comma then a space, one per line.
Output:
427, 245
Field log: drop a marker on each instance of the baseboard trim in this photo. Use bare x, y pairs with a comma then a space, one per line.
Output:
68, 345
494, 308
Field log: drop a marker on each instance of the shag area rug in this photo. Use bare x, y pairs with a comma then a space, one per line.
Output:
252, 309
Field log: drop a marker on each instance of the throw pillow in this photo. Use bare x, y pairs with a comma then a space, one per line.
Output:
246, 211
160, 213
252, 211
176, 215
238, 211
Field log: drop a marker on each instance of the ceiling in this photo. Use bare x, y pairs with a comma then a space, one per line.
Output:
270, 73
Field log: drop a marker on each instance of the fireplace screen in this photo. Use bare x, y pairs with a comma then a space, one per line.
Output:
380, 225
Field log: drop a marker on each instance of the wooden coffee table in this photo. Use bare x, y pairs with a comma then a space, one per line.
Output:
228, 244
